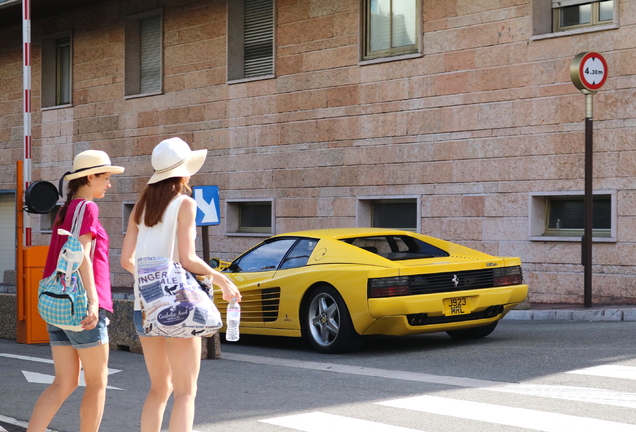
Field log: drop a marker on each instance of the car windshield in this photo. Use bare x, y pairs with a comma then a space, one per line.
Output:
397, 247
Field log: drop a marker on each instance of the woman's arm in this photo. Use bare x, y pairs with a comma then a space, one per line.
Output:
88, 279
130, 244
186, 235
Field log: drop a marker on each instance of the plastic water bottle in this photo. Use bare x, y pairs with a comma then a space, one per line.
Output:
233, 320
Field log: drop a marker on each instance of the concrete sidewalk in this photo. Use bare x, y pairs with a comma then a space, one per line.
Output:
564, 312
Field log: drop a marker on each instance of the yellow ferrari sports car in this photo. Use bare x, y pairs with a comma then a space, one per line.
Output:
335, 286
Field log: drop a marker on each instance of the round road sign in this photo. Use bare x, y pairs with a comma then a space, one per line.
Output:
588, 71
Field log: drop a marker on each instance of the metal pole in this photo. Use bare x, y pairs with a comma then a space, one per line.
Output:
19, 261
26, 77
205, 241
588, 205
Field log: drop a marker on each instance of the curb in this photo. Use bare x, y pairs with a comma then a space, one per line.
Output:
573, 315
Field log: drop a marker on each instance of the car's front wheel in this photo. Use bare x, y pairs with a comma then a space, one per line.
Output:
326, 322
474, 332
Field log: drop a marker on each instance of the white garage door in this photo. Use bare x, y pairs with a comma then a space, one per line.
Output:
7, 233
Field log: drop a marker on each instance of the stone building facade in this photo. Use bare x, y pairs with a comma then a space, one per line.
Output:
472, 123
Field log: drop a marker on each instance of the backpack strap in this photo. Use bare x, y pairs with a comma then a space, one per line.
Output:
78, 218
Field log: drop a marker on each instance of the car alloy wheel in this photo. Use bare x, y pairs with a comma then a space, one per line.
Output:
325, 319
327, 323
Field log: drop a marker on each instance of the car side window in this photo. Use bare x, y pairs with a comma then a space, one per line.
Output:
298, 256
266, 257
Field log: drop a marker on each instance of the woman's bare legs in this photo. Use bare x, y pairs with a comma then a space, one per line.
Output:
67, 370
95, 364
184, 356
173, 364
156, 357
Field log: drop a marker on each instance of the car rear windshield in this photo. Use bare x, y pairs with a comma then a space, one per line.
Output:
397, 247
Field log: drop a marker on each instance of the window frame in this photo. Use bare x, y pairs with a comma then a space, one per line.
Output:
543, 28
50, 84
233, 220
539, 207
132, 54
391, 54
235, 31
47, 219
365, 209
594, 16
126, 211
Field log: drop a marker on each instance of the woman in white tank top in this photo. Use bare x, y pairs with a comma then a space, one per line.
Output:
173, 363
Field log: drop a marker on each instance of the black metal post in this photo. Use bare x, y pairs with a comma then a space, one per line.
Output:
205, 240
588, 205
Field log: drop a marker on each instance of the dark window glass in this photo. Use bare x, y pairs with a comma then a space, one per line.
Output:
575, 15
299, 254
395, 214
255, 215
398, 247
568, 213
265, 257
63, 71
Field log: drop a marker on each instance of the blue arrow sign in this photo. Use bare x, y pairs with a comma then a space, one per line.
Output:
207, 198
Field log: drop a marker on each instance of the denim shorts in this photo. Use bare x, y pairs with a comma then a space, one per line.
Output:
81, 339
139, 325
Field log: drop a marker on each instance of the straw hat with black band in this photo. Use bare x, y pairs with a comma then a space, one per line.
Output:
89, 162
173, 157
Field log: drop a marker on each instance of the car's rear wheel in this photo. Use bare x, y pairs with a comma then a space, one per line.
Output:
474, 332
326, 322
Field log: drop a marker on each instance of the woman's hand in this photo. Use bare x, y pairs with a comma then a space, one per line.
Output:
92, 317
229, 290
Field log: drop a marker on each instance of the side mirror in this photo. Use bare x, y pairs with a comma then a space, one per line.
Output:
215, 263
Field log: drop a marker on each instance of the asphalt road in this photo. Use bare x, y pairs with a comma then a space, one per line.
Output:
528, 375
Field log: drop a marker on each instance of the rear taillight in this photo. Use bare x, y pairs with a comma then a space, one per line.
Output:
388, 287
507, 276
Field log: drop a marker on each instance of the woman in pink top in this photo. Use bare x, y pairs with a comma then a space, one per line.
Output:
87, 349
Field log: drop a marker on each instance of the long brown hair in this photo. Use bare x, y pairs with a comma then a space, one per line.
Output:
71, 190
155, 199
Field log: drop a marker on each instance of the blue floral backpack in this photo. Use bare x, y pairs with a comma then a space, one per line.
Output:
62, 299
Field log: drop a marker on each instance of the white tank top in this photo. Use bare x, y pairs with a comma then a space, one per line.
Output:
158, 240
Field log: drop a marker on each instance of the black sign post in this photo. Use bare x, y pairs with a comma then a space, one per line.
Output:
588, 72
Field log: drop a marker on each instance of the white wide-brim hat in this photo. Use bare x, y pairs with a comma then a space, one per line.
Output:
173, 157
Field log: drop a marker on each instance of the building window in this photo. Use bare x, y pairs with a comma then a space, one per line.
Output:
398, 213
47, 220
250, 39
571, 14
391, 28
56, 71
126, 211
144, 52
250, 217
560, 217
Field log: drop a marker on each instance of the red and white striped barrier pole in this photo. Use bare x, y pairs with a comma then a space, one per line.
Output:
26, 38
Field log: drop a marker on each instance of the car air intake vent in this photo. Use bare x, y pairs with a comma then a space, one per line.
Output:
271, 304
256, 306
